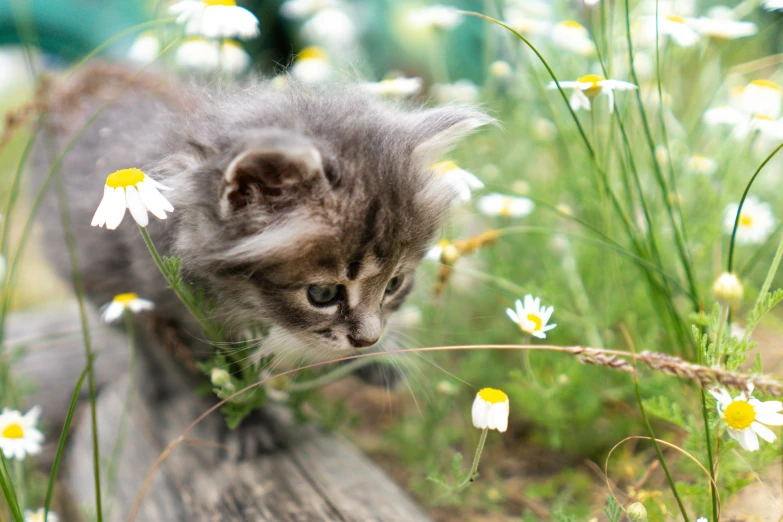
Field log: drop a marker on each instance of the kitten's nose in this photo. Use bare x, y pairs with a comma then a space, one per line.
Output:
361, 343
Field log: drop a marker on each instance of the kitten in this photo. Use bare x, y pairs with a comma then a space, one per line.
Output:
303, 209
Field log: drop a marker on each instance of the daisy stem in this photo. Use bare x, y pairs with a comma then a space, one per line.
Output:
658, 451
473, 475
708, 437
19, 478
176, 286
7, 485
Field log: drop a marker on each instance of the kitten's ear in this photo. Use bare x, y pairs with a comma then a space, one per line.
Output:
270, 171
438, 131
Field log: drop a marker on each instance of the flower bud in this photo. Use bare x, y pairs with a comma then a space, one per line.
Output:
220, 377
500, 69
728, 289
449, 255
636, 512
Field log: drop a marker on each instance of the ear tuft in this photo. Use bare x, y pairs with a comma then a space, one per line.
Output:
439, 130
270, 171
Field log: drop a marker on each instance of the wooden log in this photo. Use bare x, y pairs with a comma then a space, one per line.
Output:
316, 477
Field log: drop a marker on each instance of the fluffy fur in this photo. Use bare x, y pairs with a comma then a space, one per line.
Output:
274, 191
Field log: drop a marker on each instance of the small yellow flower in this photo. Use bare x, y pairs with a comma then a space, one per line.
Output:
589, 87
134, 190
18, 434
395, 87
573, 37
490, 410
756, 221
217, 19
461, 180
122, 302
531, 317
746, 416
505, 206
434, 17
702, 165
312, 65
38, 516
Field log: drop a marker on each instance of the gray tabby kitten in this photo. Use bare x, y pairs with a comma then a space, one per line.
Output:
303, 209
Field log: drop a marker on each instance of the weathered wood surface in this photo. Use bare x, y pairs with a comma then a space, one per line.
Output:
316, 477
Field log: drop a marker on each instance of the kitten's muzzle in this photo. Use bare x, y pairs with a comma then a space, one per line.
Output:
361, 343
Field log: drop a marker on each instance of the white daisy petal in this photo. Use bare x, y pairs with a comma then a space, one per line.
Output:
767, 407
121, 302
763, 432
136, 206
115, 208
773, 419
721, 395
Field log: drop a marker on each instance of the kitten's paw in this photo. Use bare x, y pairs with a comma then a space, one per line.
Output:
263, 431
380, 374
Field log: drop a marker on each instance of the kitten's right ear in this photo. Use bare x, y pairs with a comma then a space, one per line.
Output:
270, 171
439, 130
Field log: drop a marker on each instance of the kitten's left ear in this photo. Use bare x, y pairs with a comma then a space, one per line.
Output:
273, 168
438, 131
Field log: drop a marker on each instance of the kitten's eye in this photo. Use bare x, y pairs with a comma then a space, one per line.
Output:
322, 295
394, 284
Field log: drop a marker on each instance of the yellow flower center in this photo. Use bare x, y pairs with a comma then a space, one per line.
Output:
442, 167
676, 19
13, 431
536, 320
125, 178
492, 395
233, 43
745, 219
766, 84
594, 89
505, 208
739, 415
573, 24
313, 53
231, 3
125, 299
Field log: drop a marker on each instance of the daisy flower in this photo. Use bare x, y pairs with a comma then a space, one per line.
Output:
756, 221
233, 57
18, 434
675, 27
589, 87
332, 28
746, 417
216, 19
444, 252
532, 318
301, 9
122, 302
762, 98
145, 47
702, 165
462, 91
134, 190
773, 5
506, 206
395, 87
434, 17
311, 65
500, 69
38, 516
719, 24
573, 37
490, 410
200, 54
523, 23
460, 179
